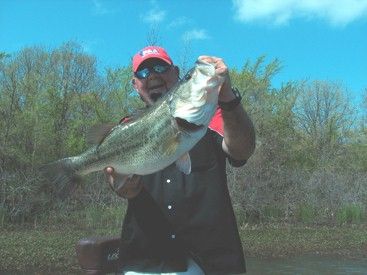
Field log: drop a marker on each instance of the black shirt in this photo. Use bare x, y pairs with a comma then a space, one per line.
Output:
178, 216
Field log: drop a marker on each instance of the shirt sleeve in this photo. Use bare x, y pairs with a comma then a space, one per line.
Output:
216, 125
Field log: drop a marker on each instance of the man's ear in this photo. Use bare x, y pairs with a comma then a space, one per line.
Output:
133, 81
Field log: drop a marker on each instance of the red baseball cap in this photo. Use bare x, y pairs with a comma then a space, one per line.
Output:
150, 52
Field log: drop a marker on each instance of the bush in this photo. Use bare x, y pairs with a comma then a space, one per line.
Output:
352, 213
306, 214
272, 213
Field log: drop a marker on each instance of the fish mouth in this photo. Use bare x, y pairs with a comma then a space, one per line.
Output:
205, 68
187, 126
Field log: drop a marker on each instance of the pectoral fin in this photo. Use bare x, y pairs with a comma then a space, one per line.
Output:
184, 164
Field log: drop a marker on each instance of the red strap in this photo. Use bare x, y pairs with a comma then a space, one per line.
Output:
216, 124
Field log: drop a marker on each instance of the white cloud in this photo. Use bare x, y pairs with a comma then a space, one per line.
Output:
279, 12
154, 16
195, 34
100, 8
178, 22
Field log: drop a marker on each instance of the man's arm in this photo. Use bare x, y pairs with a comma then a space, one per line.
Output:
239, 133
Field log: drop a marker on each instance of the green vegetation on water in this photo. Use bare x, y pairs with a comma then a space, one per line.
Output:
290, 240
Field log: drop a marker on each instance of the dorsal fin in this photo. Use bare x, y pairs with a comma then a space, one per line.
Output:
97, 133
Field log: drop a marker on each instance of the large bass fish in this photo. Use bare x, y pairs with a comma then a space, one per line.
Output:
161, 135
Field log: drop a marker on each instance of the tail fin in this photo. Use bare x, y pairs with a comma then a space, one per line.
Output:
62, 174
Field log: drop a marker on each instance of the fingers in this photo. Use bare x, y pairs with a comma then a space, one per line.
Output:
109, 171
126, 186
221, 69
131, 187
218, 63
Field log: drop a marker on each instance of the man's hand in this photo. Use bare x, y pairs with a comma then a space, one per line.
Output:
225, 93
126, 186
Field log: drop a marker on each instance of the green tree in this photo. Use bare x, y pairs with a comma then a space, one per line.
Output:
48, 100
120, 96
325, 118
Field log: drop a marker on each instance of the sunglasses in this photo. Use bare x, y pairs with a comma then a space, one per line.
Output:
145, 73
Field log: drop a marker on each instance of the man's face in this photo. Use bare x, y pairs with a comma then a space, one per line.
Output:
154, 84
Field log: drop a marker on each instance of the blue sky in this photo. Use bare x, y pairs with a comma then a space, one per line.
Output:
314, 39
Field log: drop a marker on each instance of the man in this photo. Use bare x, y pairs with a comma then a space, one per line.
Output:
177, 223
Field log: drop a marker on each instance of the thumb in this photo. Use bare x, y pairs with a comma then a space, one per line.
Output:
110, 174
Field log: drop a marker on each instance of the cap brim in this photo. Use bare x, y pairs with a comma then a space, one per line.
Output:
135, 68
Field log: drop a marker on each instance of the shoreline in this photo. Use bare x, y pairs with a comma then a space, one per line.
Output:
279, 241
53, 249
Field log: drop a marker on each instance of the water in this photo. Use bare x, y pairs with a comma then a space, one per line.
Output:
310, 264
300, 265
